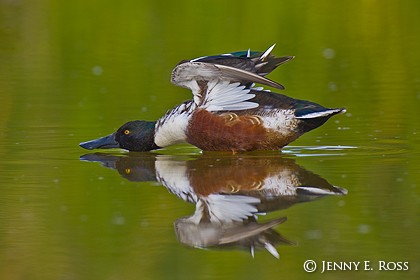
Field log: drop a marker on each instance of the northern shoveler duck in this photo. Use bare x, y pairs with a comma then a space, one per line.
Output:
227, 112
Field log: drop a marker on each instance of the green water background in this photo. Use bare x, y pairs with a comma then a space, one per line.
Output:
71, 71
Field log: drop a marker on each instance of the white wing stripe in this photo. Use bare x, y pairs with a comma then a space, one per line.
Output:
223, 96
229, 99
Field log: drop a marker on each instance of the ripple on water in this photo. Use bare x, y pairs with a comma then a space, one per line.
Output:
300, 151
320, 151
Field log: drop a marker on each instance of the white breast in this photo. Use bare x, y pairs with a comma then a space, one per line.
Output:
171, 128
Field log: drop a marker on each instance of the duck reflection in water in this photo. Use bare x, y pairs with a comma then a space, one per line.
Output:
229, 193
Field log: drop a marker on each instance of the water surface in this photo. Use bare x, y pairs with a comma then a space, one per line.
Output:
73, 71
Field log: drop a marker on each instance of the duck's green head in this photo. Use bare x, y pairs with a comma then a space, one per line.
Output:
136, 136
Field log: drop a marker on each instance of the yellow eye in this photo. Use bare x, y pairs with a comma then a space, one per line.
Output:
127, 171
126, 132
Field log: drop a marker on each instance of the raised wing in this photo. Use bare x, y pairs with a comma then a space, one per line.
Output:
244, 67
187, 72
261, 63
223, 82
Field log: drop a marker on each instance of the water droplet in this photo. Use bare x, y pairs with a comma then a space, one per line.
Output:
313, 234
363, 228
97, 70
118, 220
328, 53
332, 86
144, 223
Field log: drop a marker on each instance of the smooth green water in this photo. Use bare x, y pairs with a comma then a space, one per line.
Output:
71, 71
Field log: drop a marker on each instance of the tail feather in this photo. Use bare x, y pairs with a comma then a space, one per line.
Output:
312, 114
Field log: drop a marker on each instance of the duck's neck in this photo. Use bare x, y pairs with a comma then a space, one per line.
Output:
148, 143
171, 128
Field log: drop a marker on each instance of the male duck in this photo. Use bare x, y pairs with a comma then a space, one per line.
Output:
227, 112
